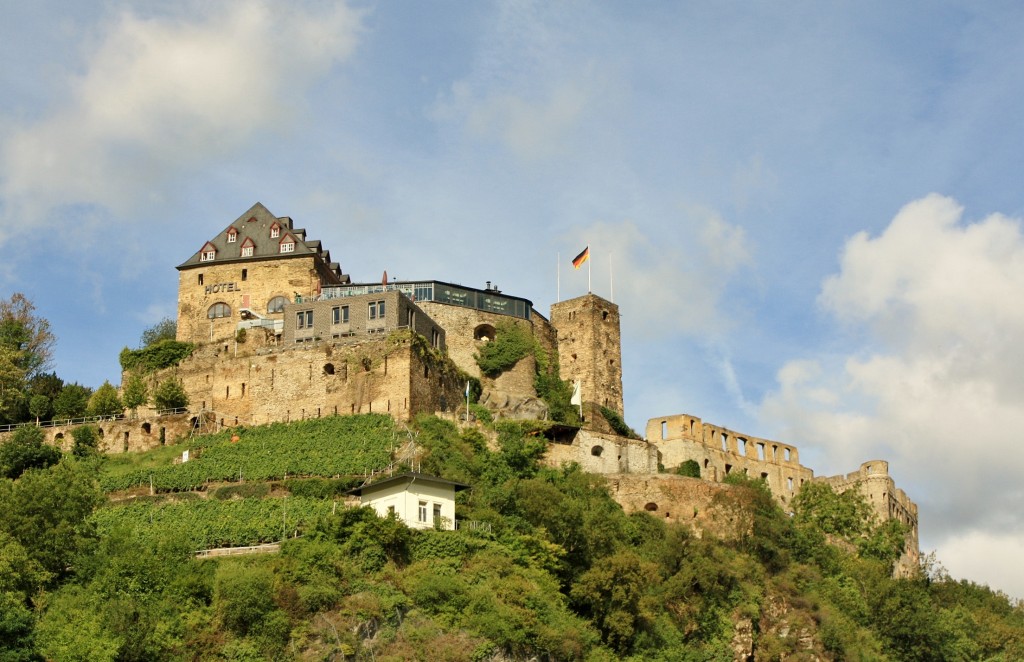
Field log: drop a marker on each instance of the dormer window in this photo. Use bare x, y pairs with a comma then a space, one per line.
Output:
232, 236
208, 253
288, 245
275, 231
247, 247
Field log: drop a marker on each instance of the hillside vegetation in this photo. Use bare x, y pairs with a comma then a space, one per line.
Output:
561, 573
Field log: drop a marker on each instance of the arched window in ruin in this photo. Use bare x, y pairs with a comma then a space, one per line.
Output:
484, 332
651, 507
328, 368
664, 429
596, 451
742, 445
276, 305
146, 428
218, 310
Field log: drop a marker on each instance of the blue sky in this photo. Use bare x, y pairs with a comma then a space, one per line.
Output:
812, 210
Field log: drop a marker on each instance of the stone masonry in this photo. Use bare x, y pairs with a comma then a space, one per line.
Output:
590, 348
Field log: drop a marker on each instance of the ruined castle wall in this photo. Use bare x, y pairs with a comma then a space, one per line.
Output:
720, 451
590, 348
601, 453
389, 375
706, 507
887, 502
239, 285
122, 435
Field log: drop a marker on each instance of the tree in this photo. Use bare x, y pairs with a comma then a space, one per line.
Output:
86, 441
47, 512
105, 401
165, 329
12, 385
27, 334
170, 394
136, 394
72, 402
39, 407
25, 450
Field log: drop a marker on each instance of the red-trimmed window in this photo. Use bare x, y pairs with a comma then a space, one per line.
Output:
275, 231
288, 244
208, 253
248, 247
232, 235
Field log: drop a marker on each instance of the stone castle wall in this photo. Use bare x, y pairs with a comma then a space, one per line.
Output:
396, 375
354, 318
887, 502
601, 453
589, 348
720, 451
121, 435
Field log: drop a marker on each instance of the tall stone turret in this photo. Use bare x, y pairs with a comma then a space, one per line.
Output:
590, 348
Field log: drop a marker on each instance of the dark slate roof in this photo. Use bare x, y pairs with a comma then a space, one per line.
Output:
256, 224
409, 477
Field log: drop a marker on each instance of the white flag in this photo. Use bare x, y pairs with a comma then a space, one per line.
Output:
576, 399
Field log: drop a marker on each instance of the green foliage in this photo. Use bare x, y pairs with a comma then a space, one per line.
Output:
612, 594
511, 343
481, 413
618, 424
170, 394
26, 334
72, 402
242, 491
26, 450
165, 329
136, 393
211, 523
689, 468
47, 512
161, 354
86, 441
40, 407
846, 515
105, 401
321, 488
328, 447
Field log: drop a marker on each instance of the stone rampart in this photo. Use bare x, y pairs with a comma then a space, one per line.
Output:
720, 451
601, 453
887, 502
706, 507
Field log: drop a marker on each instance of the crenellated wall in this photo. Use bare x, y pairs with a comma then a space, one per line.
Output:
887, 501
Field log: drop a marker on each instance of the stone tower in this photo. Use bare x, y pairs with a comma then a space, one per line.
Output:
590, 348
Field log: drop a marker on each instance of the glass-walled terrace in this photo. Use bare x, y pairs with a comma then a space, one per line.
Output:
434, 290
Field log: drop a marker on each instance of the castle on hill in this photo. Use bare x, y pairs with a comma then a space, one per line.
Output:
283, 334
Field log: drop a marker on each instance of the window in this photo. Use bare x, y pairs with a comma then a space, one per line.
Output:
437, 514
304, 319
200, 279
276, 305
435, 338
275, 231
340, 315
422, 516
218, 310
245, 275
288, 247
376, 310
207, 255
232, 236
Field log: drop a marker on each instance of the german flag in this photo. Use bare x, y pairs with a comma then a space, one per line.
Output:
581, 258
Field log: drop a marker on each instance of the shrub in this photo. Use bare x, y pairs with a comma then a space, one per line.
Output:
511, 343
170, 395
620, 427
689, 468
26, 450
105, 401
161, 354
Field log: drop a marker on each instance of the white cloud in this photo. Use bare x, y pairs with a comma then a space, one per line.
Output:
160, 96
937, 386
670, 282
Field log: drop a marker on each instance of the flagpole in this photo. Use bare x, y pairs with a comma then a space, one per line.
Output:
611, 278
